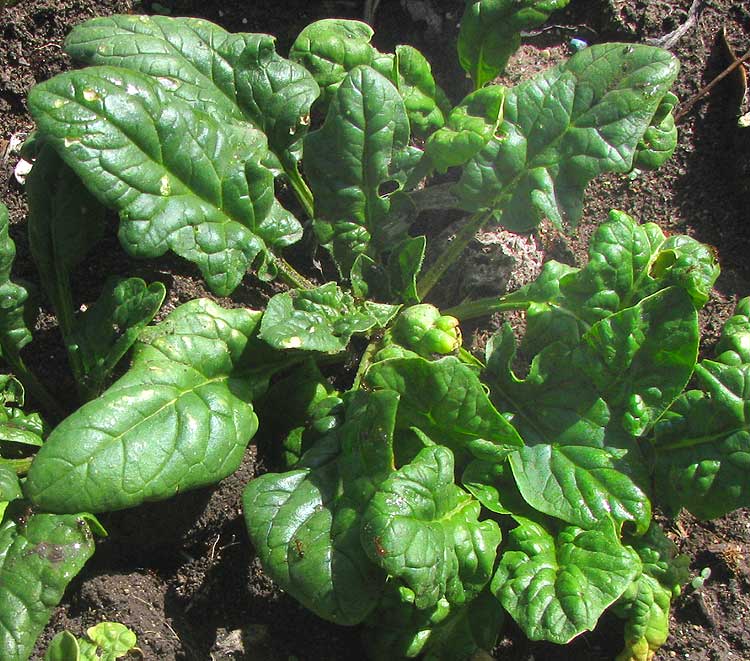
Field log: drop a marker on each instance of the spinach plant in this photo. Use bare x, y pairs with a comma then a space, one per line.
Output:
436, 492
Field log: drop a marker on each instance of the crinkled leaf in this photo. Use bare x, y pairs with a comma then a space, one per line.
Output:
733, 348
38, 558
321, 319
491, 32
64, 223
182, 180
14, 325
180, 418
557, 585
106, 331
580, 485
348, 160
641, 358
627, 262
191, 57
564, 127
419, 91
494, 486
114, 640
660, 139
423, 529
398, 629
11, 393
235, 76
703, 443
555, 403
446, 400
645, 604
469, 127
305, 523
332, 47
394, 281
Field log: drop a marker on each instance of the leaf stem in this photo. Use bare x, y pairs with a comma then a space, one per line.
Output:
444, 261
483, 307
34, 386
365, 362
290, 276
301, 190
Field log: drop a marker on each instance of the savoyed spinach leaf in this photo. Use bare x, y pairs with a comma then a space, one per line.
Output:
556, 585
563, 128
180, 418
64, 223
645, 604
398, 629
491, 32
39, 555
580, 485
321, 319
469, 127
660, 139
332, 47
348, 160
182, 180
231, 75
305, 523
103, 333
423, 529
446, 400
702, 443
14, 325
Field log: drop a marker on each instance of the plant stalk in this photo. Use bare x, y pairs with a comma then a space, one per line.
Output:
444, 261
484, 307
34, 386
290, 276
301, 190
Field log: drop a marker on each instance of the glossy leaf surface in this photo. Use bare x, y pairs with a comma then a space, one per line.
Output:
564, 127
180, 417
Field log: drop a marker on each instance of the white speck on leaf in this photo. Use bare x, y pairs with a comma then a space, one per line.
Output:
165, 188
291, 342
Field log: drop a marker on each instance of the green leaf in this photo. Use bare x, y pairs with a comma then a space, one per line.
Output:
491, 32
469, 127
114, 639
63, 647
180, 418
703, 444
348, 160
10, 487
564, 127
398, 629
191, 57
446, 400
181, 180
423, 529
229, 76
641, 358
581, 485
321, 319
660, 139
64, 222
555, 403
413, 77
39, 555
106, 331
305, 523
332, 47
733, 347
394, 281
645, 604
556, 586
14, 325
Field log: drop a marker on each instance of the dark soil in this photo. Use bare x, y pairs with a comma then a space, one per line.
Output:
182, 574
